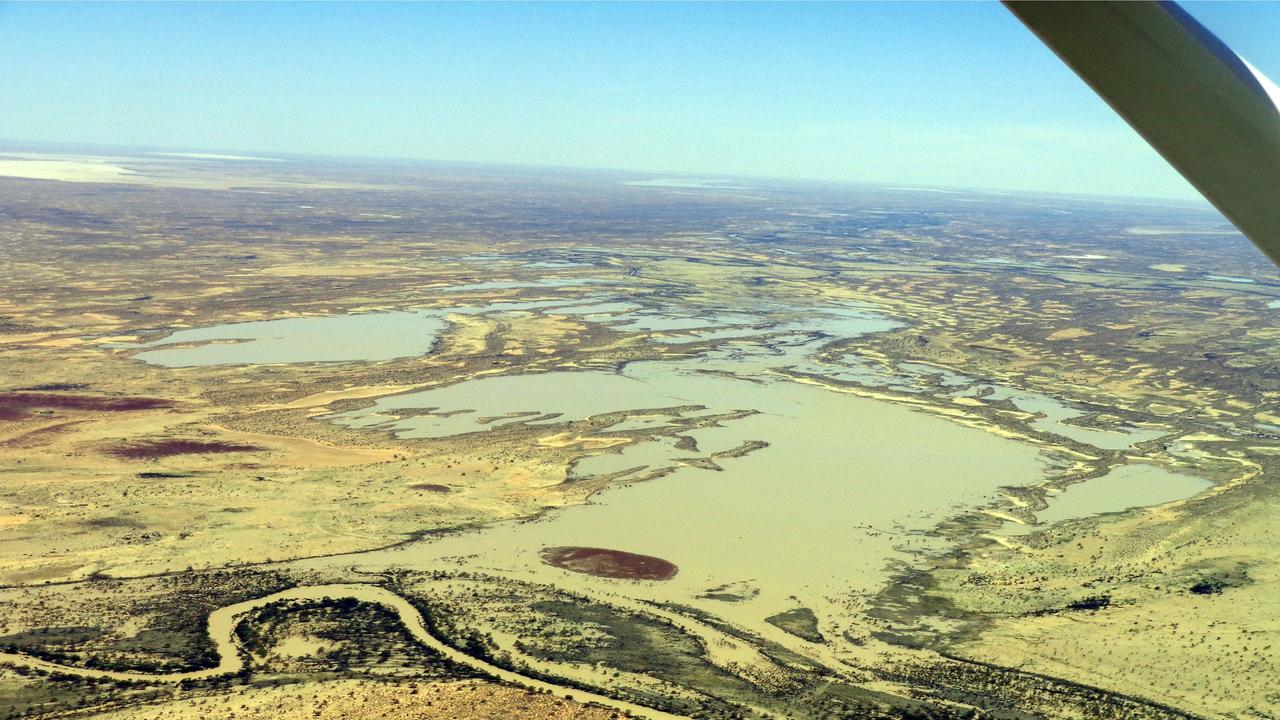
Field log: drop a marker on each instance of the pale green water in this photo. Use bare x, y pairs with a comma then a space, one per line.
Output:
387, 335
459, 409
569, 395
332, 338
1055, 412
1125, 487
817, 514
851, 368
328, 338
641, 456
910, 378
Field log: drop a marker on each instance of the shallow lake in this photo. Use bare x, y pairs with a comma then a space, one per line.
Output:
327, 338
1125, 487
1056, 412
330, 338
817, 514
482, 404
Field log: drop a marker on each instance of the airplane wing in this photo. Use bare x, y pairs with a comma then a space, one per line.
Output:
1210, 113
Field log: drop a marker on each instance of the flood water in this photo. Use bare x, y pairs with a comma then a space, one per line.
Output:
368, 337
1055, 412
830, 492
817, 514
329, 338
1124, 488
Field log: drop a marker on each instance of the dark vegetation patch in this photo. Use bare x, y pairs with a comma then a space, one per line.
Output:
26, 693
603, 562
359, 638
112, 522
431, 487
723, 597
1208, 587
174, 637
1213, 583
1093, 602
17, 405
800, 622
730, 592
774, 651
56, 635
7, 327
557, 626
652, 646
152, 449
646, 645
1013, 694
160, 475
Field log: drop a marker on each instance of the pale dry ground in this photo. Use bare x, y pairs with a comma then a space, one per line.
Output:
161, 170
369, 700
1214, 654
64, 170
293, 497
308, 488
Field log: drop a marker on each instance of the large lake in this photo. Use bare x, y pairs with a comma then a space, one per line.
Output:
827, 492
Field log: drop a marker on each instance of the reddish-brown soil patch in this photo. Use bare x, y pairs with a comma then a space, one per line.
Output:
431, 487
152, 449
603, 562
15, 406
42, 436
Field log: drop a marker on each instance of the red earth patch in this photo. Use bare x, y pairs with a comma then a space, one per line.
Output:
152, 449
16, 406
603, 562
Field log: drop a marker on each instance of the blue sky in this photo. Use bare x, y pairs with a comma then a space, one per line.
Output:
951, 94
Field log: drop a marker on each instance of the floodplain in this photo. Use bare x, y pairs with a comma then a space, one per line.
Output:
289, 432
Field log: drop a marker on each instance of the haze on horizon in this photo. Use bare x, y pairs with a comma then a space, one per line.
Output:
934, 94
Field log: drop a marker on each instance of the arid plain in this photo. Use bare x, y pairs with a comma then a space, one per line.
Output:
289, 437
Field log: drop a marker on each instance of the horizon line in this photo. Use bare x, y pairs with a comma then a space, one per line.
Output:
252, 155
